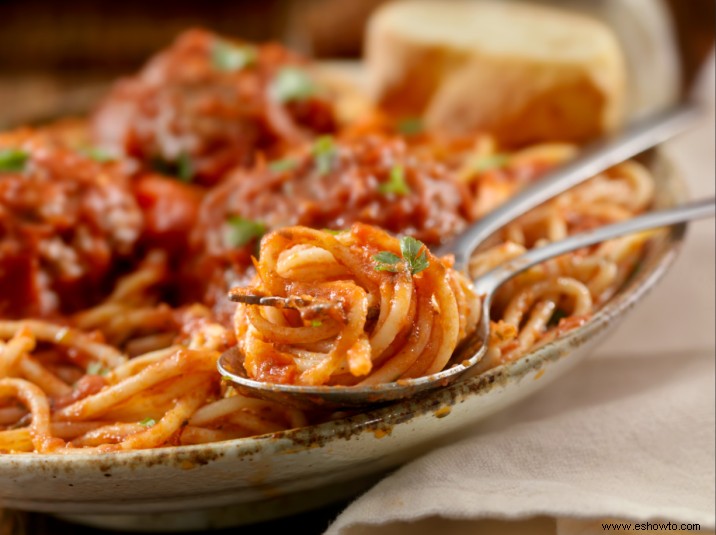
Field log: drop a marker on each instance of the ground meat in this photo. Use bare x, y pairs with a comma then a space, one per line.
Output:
330, 184
371, 180
170, 210
206, 104
64, 219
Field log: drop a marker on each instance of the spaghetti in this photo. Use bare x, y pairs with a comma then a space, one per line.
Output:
113, 276
392, 310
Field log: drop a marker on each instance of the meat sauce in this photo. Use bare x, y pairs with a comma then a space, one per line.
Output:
240, 131
371, 180
331, 184
64, 220
206, 105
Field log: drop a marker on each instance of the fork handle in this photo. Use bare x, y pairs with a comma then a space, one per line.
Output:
594, 159
490, 281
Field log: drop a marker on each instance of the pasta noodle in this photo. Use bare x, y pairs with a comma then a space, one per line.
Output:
114, 273
168, 396
560, 294
382, 322
66, 389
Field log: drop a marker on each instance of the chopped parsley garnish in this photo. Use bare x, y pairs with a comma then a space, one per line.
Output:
415, 254
324, 153
229, 57
414, 257
410, 126
335, 232
97, 154
96, 368
13, 160
396, 182
492, 161
292, 84
185, 168
242, 231
279, 166
316, 323
182, 168
557, 316
387, 261
148, 422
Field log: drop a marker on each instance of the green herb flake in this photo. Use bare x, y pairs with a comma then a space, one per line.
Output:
335, 232
410, 126
316, 323
13, 160
324, 153
281, 166
292, 84
228, 57
387, 261
185, 168
97, 154
182, 168
148, 422
396, 184
487, 163
96, 368
414, 253
557, 316
242, 231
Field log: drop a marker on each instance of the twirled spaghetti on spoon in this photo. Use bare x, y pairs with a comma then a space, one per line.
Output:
391, 309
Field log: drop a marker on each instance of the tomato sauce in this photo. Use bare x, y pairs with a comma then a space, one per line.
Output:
65, 219
206, 104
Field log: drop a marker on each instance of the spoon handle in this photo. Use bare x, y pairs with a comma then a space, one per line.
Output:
594, 159
490, 281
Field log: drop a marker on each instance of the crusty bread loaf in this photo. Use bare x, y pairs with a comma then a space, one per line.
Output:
523, 72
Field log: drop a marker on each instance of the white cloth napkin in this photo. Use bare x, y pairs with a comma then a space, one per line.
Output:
626, 437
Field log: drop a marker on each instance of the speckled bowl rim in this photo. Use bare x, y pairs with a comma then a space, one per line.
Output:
657, 260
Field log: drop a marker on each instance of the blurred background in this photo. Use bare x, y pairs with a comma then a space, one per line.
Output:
59, 54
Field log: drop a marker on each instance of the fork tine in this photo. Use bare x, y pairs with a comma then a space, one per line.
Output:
238, 295
268, 300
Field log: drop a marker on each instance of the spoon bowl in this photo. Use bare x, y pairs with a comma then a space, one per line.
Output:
230, 363
330, 398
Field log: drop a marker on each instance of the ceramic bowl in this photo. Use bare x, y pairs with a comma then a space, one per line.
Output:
252, 479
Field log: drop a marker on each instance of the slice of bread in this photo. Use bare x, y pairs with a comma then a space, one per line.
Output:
525, 73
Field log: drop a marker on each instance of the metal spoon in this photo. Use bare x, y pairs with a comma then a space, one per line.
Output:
594, 158
332, 397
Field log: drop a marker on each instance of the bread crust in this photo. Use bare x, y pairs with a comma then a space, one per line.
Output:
517, 91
